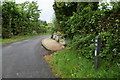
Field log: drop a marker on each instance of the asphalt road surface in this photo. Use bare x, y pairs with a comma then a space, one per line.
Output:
24, 59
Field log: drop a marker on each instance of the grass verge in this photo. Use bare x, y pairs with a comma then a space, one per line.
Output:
68, 64
15, 38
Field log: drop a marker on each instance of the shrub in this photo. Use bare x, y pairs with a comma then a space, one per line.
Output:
109, 50
84, 45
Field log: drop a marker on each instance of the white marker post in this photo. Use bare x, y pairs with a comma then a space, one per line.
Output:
97, 50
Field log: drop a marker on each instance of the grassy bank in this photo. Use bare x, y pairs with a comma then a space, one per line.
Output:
69, 64
15, 38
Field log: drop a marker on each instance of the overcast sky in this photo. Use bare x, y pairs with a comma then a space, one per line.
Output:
47, 12
46, 7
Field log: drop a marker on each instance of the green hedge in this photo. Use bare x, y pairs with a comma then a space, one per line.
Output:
85, 45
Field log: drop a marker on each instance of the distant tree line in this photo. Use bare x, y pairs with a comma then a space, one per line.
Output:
21, 19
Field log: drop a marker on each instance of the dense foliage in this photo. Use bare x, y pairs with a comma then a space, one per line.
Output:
20, 19
62, 12
87, 22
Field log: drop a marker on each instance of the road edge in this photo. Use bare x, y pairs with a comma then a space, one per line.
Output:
42, 42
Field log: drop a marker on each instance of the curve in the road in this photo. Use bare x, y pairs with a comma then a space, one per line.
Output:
24, 59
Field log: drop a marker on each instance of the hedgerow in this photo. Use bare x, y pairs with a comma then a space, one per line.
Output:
89, 21
21, 19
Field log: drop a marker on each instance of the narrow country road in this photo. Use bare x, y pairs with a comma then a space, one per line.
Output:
24, 59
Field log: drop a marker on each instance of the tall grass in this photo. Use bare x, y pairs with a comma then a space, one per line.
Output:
69, 64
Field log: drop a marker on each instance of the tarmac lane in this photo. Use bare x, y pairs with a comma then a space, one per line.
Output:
24, 59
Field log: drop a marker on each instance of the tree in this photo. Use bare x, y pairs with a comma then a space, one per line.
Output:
20, 19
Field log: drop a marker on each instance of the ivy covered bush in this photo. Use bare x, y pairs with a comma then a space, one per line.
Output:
86, 22
84, 45
110, 48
